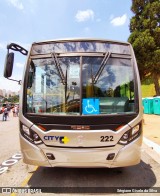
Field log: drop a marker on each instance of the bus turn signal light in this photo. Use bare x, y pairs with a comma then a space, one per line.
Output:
119, 127
41, 127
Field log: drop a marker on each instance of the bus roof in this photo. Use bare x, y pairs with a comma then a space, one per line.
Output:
82, 39
80, 45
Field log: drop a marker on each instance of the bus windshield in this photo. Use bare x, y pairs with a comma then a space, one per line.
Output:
81, 85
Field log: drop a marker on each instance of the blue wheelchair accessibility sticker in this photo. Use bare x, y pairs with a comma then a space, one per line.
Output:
90, 106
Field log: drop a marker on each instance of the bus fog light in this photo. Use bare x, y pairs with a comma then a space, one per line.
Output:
35, 137
135, 129
37, 140
125, 136
50, 156
111, 156
26, 129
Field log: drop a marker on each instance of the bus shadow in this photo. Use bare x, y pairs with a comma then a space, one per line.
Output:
90, 180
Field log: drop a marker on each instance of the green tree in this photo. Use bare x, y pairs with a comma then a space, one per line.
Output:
145, 38
4, 100
14, 99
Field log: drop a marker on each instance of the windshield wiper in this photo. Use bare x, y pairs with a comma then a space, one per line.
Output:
58, 66
104, 61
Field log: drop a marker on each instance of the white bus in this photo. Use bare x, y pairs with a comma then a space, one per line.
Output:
80, 103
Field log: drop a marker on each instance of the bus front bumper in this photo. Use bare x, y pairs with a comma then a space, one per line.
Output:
81, 157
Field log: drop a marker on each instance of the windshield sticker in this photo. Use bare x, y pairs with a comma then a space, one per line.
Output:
74, 72
90, 106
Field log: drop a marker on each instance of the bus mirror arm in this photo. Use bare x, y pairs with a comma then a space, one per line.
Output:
19, 81
16, 47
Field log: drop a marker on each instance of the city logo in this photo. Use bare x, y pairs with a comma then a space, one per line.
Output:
60, 139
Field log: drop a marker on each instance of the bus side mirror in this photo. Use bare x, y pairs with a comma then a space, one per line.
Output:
8, 67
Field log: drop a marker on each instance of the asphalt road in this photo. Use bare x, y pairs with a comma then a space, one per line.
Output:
17, 174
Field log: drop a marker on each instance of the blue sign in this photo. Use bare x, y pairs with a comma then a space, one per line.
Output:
90, 106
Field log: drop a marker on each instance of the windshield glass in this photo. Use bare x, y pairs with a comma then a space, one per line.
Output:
48, 94
84, 85
112, 91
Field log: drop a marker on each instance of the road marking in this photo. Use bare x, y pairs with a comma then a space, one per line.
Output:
9, 162
149, 143
25, 181
13, 194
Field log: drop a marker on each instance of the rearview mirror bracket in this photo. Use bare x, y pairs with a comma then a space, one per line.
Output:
19, 81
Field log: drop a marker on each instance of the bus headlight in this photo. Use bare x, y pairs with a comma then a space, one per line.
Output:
135, 129
25, 129
130, 135
30, 135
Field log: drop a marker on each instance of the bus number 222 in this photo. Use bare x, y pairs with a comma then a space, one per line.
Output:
107, 139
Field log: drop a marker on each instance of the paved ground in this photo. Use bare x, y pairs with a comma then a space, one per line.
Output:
152, 127
9, 129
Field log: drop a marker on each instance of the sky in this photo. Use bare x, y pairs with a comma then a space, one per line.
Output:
27, 21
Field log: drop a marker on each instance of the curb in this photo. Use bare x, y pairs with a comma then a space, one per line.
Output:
151, 144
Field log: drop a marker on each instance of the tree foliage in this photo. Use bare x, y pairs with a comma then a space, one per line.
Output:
145, 38
12, 99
